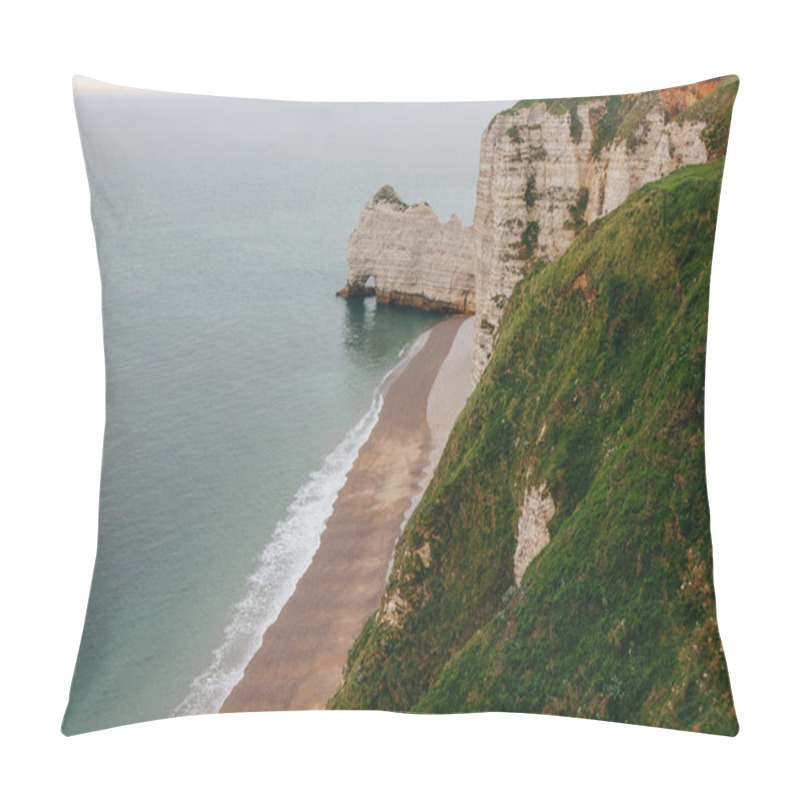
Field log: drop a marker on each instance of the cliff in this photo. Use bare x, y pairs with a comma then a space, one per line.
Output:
413, 258
549, 168
568, 564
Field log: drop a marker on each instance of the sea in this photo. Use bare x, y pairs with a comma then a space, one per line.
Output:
239, 388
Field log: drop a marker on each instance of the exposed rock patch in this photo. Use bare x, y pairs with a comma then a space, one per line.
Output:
532, 533
679, 98
393, 610
582, 282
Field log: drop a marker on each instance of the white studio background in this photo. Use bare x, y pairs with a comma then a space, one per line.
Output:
53, 385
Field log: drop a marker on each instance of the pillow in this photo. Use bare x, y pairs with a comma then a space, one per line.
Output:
404, 407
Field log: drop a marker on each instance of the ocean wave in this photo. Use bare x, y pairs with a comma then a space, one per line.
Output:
284, 560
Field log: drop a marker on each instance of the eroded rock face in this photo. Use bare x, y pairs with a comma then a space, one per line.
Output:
413, 258
544, 176
547, 169
532, 533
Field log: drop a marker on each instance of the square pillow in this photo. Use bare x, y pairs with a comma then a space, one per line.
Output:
404, 407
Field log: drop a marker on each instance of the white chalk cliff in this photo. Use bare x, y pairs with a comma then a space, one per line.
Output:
537, 510
545, 174
547, 169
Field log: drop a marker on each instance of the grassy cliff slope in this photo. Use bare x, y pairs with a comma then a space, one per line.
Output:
595, 390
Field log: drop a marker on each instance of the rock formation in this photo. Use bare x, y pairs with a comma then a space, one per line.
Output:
549, 168
461, 638
413, 258
538, 509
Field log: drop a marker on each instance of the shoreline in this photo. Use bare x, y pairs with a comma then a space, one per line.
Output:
300, 660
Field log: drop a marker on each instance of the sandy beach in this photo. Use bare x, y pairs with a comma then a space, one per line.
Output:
300, 661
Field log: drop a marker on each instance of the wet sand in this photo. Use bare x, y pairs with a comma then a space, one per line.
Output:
300, 661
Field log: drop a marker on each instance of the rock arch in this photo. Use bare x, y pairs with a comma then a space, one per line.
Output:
412, 257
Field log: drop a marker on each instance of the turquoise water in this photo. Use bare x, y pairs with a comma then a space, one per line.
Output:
239, 388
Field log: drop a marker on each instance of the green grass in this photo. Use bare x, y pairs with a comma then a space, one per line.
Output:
620, 116
715, 105
577, 211
387, 194
565, 105
596, 389
569, 106
715, 109
629, 125
605, 121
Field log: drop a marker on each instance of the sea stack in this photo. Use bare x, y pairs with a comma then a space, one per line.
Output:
412, 257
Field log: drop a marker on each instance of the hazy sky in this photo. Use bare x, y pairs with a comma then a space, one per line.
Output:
149, 130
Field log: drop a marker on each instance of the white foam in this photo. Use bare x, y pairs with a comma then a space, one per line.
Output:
406, 354
284, 560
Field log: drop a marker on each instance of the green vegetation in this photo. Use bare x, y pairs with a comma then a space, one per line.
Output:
513, 134
530, 238
387, 194
561, 105
606, 121
577, 211
530, 191
715, 109
500, 300
575, 127
596, 390
715, 105
557, 105
569, 106
629, 125
620, 117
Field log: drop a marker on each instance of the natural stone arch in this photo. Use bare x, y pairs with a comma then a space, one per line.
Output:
412, 257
